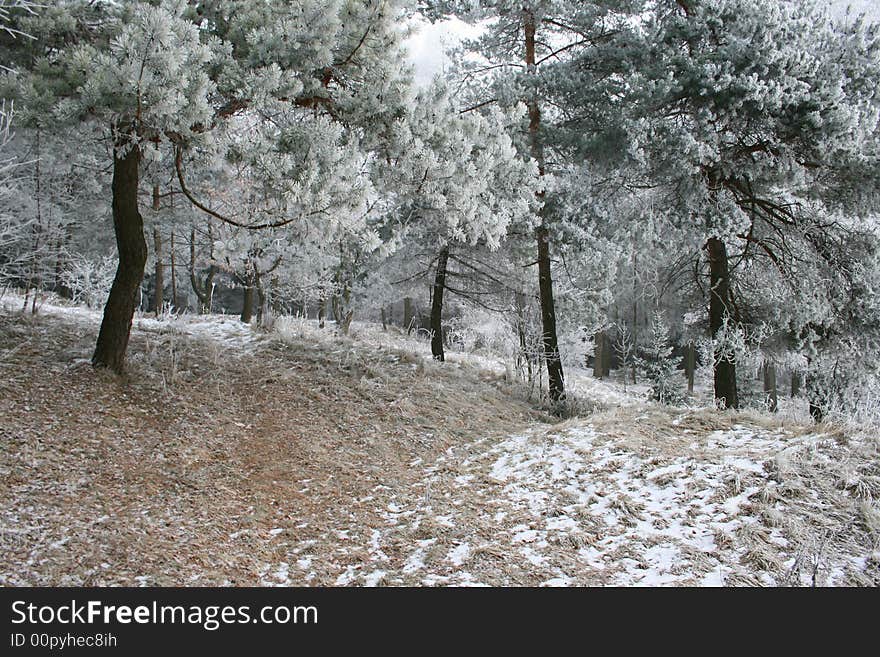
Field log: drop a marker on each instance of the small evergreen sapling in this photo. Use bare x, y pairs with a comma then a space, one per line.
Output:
659, 365
624, 345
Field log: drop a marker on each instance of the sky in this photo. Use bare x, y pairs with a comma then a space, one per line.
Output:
427, 45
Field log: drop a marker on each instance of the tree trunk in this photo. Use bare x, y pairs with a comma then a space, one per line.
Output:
770, 394
345, 324
129, 228
384, 319
607, 354
599, 355
265, 319
247, 306
795, 383
63, 291
690, 365
816, 397
524, 354
437, 306
158, 295
556, 380
174, 302
719, 304
408, 315
635, 306
204, 289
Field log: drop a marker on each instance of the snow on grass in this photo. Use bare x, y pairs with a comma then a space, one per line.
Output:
226, 331
635, 495
459, 554
577, 506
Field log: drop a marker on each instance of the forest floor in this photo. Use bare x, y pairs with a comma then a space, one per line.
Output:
227, 456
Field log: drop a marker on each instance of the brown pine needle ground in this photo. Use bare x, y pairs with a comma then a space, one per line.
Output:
226, 456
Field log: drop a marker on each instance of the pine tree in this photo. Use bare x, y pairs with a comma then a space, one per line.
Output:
175, 75
749, 120
659, 365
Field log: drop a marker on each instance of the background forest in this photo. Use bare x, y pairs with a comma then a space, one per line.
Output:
641, 186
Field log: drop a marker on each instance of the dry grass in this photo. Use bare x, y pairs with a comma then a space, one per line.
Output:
178, 472
305, 458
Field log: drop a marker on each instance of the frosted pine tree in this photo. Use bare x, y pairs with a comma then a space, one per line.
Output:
751, 120
458, 179
168, 80
517, 52
659, 365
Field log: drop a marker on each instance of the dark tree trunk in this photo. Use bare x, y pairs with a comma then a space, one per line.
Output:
437, 306
635, 306
770, 394
719, 304
407, 315
524, 355
795, 383
607, 354
204, 289
158, 295
174, 302
129, 228
556, 380
599, 355
690, 365
384, 319
247, 306
62, 290
816, 397
555, 376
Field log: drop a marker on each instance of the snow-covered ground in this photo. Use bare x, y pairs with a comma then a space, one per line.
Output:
575, 506
632, 494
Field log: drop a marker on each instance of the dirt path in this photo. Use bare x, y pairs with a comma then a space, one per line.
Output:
216, 453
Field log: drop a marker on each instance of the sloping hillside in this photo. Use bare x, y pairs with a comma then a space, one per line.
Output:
227, 456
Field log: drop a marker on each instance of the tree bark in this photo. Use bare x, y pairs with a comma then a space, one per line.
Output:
174, 302
556, 379
795, 383
407, 314
158, 295
690, 365
129, 228
384, 319
607, 354
719, 304
437, 306
770, 393
599, 355
204, 290
635, 305
247, 306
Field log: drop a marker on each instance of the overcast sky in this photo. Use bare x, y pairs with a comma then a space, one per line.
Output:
427, 46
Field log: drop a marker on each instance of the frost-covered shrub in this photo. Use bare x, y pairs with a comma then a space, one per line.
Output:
481, 330
89, 280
